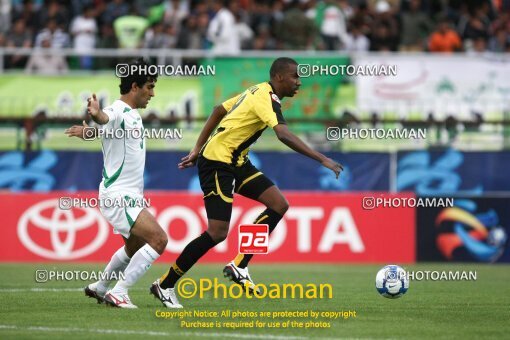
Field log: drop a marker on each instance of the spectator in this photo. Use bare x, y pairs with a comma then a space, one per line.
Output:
384, 28
193, 32
479, 45
221, 31
145, 6
346, 9
331, 23
278, 24
264, 40
381, 40
243, 31
160, 36
29, 15
18, 37
57, 37
416, 26
261, 16
114, 10
276, 16
77, 6
356, 41
45, 62
296, 31
499, 42
129, 30
5, 15
444, 39
84, 30
476, 27
363, 18
374, 4
106, 39
175, 12
502, 22
53, 11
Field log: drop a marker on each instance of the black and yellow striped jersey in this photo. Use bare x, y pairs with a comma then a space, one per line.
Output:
248, 115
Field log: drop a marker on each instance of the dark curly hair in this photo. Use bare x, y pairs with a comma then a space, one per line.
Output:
139, 78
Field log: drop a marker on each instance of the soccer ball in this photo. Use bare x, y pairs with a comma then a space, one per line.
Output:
392, 281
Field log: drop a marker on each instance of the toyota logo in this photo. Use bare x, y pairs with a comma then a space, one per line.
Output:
62, 226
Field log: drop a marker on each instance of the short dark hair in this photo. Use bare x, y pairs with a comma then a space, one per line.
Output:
140, 79
281, 65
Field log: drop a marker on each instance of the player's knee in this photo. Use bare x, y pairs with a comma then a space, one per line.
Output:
160, 241
280, 206
284, 207
218, 235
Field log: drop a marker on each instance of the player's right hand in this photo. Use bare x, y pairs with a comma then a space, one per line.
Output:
333, 166
76, 131
93, 105
189, 160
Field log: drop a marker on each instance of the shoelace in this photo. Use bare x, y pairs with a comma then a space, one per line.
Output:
244, 274
125, 299
171, 294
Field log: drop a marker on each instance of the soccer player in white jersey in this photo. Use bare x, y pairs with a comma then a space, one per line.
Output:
124, 163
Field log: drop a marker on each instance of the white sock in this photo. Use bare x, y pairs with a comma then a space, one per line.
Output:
117, 264
138, 266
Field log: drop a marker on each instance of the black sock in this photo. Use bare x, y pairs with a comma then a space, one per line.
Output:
269, 217
189, 256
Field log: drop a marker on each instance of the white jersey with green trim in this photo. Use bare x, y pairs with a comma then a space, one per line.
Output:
123, 149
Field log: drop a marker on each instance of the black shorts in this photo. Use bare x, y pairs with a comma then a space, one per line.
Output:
220, 180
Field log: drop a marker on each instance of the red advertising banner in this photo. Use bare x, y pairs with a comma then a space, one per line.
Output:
318, 227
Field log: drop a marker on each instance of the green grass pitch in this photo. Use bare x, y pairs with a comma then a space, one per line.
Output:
430, 309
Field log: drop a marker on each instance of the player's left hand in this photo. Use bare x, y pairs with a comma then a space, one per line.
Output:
76, 130
189, 160
333, 166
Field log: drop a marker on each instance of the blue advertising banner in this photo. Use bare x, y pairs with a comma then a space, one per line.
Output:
451, 171
423, 172
475, 229
48, 170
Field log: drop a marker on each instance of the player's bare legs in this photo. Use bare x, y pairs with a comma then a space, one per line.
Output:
276, 206
132, 244
117, 265
216, 232
145, 229
163, 288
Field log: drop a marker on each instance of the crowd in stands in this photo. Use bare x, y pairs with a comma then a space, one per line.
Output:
227, 27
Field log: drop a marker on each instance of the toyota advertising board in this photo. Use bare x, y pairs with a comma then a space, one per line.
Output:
319, 227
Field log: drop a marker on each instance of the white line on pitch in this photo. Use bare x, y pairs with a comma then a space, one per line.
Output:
84, 330
151, 333
58, 290
244, 336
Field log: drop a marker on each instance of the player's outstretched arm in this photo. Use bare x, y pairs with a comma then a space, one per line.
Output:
292, 141
78, 131
214, 119
95, 112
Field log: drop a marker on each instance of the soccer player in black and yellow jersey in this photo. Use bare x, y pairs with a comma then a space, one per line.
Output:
224, 168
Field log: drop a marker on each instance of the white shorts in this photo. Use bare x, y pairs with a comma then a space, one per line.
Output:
121, 216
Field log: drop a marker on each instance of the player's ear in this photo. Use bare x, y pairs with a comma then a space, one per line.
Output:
134, 86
